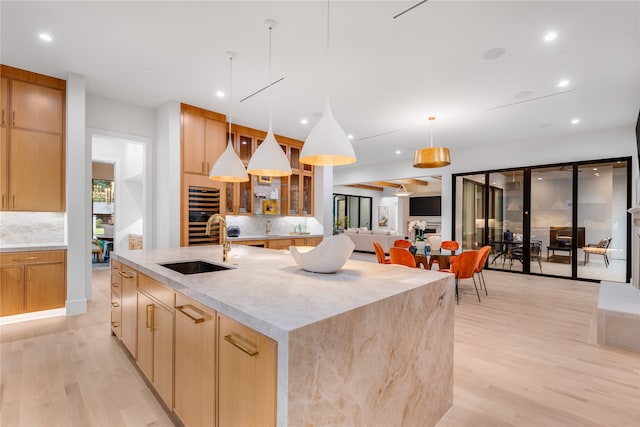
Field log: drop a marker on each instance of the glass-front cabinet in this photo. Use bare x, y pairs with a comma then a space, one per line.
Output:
564, 220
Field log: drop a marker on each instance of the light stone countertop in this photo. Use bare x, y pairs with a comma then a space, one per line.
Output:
29, 247
269, 292
272, 237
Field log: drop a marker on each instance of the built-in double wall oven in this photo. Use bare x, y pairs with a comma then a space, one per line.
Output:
565, 220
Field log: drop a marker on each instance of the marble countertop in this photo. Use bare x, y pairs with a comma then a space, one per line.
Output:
267, 291
272, 237
28, 247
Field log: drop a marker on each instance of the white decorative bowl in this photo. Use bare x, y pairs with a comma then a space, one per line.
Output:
328, 257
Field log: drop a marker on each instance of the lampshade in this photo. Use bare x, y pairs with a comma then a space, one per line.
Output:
402, 192
229, 167
269, 159
327, 144
431, 157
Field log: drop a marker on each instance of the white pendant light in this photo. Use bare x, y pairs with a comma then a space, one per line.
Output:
402, 191
269, 159
327, 143
229, 167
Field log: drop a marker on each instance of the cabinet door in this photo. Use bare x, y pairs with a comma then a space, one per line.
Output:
193, 143
307, 195
4, 189
44, 286
214, 142
36, 181
145, 335
194, 390
36, 107
247, 376
11, 290
162, 324
4, 106
129, 307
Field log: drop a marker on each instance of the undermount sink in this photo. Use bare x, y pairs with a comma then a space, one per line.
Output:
194, 267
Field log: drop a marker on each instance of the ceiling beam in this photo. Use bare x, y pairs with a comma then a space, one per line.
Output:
386, 184
365, 187
414, 181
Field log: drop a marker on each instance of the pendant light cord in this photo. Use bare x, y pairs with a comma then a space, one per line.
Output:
328, 40
230, 98
270, 112
431, 119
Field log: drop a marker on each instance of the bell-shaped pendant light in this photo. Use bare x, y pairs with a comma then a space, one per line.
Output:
269, 159
431, 157
229, 167
402, 191
327, 143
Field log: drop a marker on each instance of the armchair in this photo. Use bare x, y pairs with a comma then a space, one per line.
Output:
600, 248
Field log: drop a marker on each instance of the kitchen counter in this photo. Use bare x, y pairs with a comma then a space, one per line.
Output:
28, 247
272, 237
377, 336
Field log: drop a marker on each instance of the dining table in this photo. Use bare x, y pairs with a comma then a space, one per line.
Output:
427, 259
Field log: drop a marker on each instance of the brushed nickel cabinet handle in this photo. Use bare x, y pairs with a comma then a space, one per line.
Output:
183, 309
236, 344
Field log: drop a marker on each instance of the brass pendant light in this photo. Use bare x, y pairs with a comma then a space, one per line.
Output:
431, 157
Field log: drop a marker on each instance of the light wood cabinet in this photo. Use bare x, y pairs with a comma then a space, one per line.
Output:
155, 335
203, 139
129, 307
195, 363
247, 368
32, 281
116, 299
32, 141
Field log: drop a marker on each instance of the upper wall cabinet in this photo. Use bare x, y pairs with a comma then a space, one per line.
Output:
203, 139
32, 141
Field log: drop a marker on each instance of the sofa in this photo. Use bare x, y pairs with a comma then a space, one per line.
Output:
363, 239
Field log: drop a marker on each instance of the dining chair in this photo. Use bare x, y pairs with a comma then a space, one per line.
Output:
483, 255
401, 243
448, 245
382, 259
402, 256
96, 250
464, 268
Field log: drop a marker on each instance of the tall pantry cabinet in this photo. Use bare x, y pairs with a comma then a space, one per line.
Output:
32, 141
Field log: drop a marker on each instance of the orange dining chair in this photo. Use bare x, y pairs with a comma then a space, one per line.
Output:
402, 256
401, 243
482, 260
380, 254
449, 245
465, 268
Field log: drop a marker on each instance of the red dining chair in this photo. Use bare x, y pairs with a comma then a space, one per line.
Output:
448, 245
402, 256
464, 268
482, 260
401, 243
380, 254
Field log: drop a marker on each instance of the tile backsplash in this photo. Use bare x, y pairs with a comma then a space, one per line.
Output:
32, 228
255, 225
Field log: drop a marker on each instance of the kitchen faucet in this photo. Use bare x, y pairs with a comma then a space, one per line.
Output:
224, 241
268, 226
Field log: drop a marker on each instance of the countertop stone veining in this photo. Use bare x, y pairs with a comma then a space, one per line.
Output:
27, 247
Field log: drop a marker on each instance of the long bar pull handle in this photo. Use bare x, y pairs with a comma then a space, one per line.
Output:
28, 274
27, 258
149, 319
230, 340
14, 119
126, 275
14, 201
3, 200
3, 117
183, 309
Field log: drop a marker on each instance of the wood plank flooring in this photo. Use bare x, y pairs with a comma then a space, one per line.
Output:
525, 356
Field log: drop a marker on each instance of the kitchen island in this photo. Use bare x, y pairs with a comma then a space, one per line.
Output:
369, 345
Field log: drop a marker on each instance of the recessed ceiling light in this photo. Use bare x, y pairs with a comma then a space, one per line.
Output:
550, 36
398, 152
304, 121
597, 174
563, 83
575, 121
220, 94
595, 169
46, 37
350, 136
539, 178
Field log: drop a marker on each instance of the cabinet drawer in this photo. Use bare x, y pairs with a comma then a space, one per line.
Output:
157, 290
13, 258
280, 243
116, 315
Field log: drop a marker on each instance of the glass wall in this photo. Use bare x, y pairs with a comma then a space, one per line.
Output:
568, 220
351, 212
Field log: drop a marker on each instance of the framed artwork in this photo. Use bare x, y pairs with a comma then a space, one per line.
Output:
269, 207
264, 179
383, 216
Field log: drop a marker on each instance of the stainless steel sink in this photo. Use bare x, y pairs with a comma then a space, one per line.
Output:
194, 267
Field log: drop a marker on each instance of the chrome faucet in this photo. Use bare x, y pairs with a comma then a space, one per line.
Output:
267, 226
224, 241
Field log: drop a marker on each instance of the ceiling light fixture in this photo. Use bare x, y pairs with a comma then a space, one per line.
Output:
45, 37
431, 157
269, 159
402, 191
327, 143
550, 36
575, 121
229, 167
220, 94
563, 83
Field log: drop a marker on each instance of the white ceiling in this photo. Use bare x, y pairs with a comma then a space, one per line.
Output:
386, 75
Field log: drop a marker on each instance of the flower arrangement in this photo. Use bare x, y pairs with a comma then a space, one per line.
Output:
417, 224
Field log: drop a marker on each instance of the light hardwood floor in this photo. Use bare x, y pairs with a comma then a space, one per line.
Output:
525, 356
